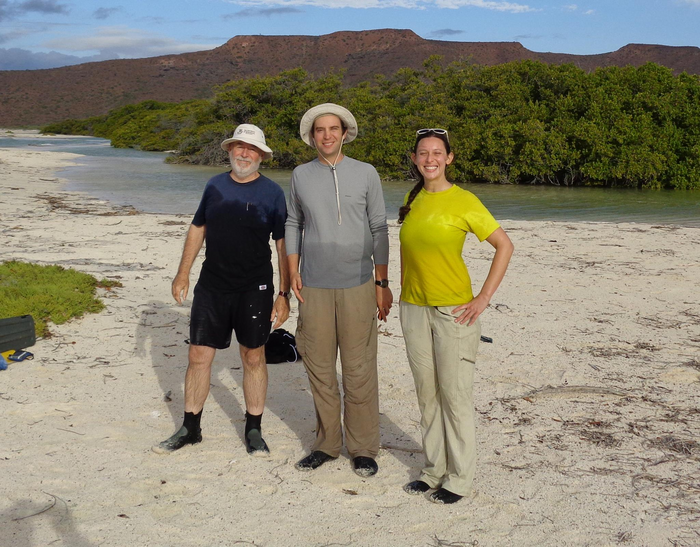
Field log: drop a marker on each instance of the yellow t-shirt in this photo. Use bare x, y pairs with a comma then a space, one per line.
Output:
432, 237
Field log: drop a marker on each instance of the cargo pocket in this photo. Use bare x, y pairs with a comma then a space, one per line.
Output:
299, 335
371, 346
466, 336
469, 341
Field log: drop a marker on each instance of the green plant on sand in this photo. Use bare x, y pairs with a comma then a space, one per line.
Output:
48, 293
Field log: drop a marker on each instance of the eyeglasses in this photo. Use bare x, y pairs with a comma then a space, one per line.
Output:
433, 130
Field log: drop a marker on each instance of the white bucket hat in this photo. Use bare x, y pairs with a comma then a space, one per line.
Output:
307, 121
250, 134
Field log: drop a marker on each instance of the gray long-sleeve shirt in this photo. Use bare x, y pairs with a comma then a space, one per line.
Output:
337, 256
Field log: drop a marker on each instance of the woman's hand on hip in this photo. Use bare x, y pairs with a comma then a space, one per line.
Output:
469, 312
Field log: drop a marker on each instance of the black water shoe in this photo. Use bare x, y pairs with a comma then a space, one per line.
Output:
364, 466
255, 444
177, 441
444, 496
416, 487
313, 460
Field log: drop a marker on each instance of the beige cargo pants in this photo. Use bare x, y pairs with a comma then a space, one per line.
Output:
345, 319
442, 355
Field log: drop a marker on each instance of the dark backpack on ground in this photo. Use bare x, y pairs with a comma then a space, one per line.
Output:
281, 347
17, 333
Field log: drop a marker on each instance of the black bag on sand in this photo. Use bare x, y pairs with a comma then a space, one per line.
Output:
281, 347
17, 333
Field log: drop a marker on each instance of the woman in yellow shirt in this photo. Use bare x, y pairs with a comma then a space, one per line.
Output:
440, 314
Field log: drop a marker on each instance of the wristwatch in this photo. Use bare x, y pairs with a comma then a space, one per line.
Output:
284, 294
383, 283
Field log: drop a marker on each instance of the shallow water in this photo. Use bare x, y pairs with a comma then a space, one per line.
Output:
145, 181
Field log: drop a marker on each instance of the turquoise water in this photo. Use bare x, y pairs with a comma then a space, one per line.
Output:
143, 180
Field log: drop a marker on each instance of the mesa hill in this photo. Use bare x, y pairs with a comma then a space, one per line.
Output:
37, 97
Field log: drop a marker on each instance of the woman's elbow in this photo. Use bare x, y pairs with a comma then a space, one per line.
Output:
508, 246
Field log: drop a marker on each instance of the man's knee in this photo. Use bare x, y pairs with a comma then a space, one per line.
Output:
253, 357
201, 357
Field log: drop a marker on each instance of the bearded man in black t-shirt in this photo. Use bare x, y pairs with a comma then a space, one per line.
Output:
238, 213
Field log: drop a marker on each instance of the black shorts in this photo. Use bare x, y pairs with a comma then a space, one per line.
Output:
214, 315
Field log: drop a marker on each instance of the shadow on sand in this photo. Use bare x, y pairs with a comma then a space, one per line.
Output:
163, 330
20, 522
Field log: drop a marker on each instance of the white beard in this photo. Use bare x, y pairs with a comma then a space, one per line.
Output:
240, 171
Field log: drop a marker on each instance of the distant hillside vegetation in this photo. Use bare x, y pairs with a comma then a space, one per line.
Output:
523, 122
37, 97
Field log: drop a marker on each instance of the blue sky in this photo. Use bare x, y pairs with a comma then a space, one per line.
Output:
47, 33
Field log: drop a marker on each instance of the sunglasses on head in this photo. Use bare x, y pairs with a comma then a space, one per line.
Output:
433, 130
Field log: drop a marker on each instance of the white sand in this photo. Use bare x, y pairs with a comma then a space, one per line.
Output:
588, 405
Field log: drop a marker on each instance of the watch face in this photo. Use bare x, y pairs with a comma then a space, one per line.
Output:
384, 283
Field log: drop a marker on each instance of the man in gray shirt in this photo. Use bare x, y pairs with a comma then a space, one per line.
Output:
336, 228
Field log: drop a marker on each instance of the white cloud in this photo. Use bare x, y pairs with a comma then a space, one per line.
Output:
120, 41
496, 6
43, 6
260, 12
521, 37
13, 34
409, 4
360, 4
104, 13
443, 32
12, 10
571, 7
589, 12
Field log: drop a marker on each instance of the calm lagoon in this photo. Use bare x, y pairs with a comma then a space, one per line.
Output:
145, 181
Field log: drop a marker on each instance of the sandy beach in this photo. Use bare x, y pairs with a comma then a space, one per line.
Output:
588, 400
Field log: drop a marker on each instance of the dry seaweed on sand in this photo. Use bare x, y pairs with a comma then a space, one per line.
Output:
566, 391
670, 443
70, 205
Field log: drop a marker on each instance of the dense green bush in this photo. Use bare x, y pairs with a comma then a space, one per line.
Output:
48, 293
521, 123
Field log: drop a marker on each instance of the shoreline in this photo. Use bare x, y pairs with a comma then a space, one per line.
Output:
587, 420
545, 203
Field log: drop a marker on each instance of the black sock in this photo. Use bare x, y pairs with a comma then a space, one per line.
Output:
252, 422
191, 422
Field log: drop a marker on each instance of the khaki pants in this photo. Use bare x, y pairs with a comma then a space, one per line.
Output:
345, 319
442, 354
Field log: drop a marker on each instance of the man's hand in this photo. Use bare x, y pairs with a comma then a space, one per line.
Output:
193, 244
297, 285
181, 284
280, 311
384, 301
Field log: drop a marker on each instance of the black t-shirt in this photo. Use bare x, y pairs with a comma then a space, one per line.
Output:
239, 219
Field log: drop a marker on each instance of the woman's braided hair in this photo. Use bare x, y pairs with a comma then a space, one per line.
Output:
405, 209
415, 173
